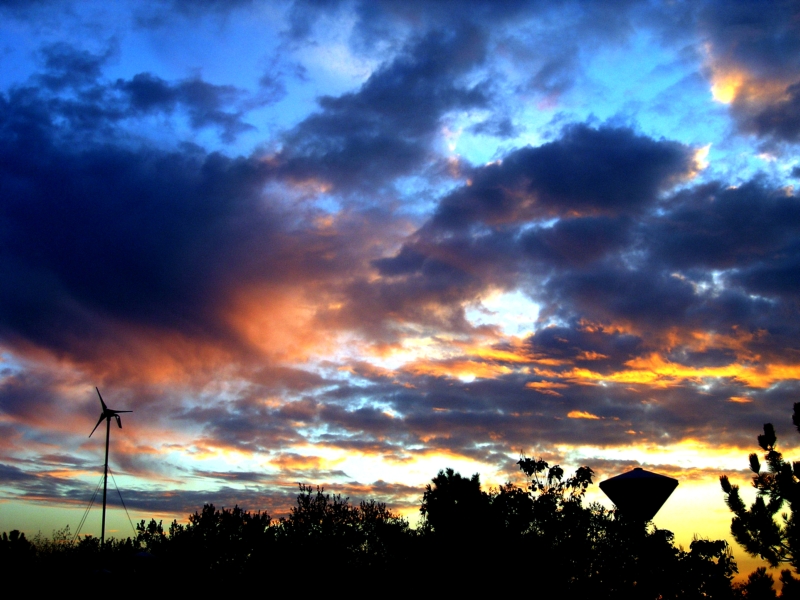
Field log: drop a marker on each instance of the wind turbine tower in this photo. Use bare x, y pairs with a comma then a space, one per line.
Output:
106, 414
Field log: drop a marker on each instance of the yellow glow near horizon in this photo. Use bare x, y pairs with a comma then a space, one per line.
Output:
694, 458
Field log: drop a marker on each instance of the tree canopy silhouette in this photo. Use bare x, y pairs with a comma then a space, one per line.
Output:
453, 504
757, 528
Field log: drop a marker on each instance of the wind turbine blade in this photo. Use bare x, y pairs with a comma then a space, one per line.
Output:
100, 420
101, 400
119, 421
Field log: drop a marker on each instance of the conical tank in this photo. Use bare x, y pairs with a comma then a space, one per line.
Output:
639, 494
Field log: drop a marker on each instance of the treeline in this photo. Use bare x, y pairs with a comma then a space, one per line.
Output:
541, 538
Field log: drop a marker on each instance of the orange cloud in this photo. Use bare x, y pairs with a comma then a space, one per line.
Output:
278, 323
607, 328
545, 387
582, 414
500, 355
655, 371
740, 399
297, 462
458, 368
590, 356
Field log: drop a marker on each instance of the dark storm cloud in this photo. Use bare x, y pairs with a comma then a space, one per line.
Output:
652, 300
431, 298
25, 396
595, 171
636, 256
576, 241
104, 233
381, 19
557, 74
477, 419
779, 277
252, 477
778, 120
762, 39
10, 474
68, 67
203, 102
377, 19
116, 232
500, 126
760, 36
47, 489
498, 230
598, 349
65, 460
43, 487
187, 502
248, 428
748, 235
718, 227
33, 396
385, 129
71, 88
169, 13
610, 293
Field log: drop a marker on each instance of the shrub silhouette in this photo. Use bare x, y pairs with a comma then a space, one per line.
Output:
365, 538
221, 545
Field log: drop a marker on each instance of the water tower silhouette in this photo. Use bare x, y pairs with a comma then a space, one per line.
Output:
639, 494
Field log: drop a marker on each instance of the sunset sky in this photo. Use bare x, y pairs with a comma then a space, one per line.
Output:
353, 243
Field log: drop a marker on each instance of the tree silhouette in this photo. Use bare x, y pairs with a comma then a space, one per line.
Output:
151, 537
453, 504
16, 552
759, 586
757, 528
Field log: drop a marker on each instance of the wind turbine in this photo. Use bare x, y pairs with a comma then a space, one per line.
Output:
106, 414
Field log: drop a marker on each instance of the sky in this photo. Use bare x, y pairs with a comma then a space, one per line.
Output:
349, 244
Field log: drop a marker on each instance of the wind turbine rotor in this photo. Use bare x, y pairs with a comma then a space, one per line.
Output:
101, 400
100, 420
108, 413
